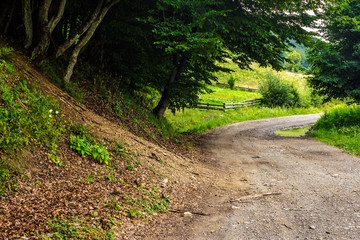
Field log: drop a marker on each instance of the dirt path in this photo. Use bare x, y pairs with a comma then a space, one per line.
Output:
266, 186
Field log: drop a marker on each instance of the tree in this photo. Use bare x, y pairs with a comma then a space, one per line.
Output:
336, 64
198, 33
293, 60
46, 26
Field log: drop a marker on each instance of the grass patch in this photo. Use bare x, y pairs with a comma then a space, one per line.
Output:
220, 95
199, 121
28, 121
78, 228
340, 127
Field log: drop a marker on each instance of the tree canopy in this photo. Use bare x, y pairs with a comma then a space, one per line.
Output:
336, 63
169, 46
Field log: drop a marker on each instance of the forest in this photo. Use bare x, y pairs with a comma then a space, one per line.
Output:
169, 48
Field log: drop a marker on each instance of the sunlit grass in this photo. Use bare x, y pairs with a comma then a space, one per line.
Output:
199, 121
250, 78
222, 95
340, 127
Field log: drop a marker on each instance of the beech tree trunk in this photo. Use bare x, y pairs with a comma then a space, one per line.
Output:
89, 33
28, 23
164, 102
47, 27
75, 37
10, 17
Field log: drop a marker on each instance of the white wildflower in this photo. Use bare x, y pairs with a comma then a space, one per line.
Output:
50, 111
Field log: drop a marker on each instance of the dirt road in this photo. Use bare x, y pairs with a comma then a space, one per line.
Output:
272, 187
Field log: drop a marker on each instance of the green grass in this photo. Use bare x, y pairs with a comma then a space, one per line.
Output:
78, 227
347, 138
199, 121
221, 95
340, 127
250, 78
28, 121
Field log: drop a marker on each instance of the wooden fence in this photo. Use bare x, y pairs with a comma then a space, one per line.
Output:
225, 85
227, 106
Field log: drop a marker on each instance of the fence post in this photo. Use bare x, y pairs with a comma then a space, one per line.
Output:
207, 106
224, 106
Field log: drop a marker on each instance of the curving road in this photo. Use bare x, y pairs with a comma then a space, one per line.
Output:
274, 187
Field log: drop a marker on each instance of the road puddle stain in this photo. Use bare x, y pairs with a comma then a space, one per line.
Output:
294, 132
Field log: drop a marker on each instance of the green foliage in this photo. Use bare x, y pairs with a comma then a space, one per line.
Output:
27, 118
340, 127
197, 34
7, 181
101, 155
335, 64
340, 117
277, 92
293, 61
5, 54
83, 146
231, 82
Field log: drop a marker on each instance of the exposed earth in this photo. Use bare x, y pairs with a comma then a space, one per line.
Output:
266, 186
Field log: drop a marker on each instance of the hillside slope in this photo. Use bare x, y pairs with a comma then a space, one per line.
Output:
144, 186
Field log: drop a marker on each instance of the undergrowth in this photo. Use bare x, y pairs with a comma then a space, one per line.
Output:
340, 127
28, 120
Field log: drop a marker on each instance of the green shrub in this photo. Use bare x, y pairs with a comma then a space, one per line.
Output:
83, 146
340, 117
5, 54
277, 92
231, 82
101, 155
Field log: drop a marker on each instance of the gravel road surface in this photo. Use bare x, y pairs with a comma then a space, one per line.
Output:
274, 187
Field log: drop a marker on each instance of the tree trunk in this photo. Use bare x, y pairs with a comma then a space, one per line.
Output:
70, 41
28, 23
90, 32
56, 18
164, 102
10, 17
47, 27
44, 43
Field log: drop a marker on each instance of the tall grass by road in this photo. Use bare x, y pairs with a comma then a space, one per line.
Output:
340, 127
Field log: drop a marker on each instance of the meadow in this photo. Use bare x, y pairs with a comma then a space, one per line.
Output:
198, 120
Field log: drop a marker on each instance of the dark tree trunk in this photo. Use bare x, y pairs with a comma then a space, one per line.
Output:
28, 23
47, 27
164, 102
7, 25
89, 33
76, 36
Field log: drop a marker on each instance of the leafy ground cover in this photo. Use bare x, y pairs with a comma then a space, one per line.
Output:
59, 179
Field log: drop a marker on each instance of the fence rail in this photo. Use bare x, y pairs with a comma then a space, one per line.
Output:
227, 106
248, 89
